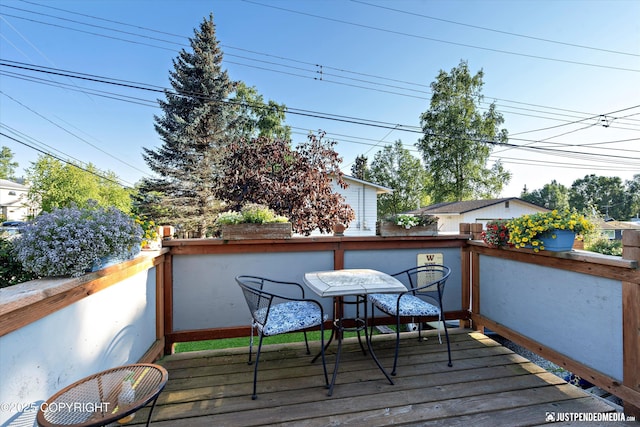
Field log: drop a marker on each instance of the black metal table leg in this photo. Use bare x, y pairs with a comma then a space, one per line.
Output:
373, 354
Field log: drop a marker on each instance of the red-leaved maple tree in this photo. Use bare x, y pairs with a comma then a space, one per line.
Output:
296, 183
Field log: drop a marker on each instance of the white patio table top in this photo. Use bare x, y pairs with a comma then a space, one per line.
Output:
358, 281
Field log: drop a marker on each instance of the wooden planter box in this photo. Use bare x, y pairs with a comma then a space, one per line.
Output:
390, 229
280, 230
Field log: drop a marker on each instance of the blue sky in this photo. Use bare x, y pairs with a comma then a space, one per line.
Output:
565, 74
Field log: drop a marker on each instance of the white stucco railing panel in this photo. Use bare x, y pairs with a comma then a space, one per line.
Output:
111, 327
576, 314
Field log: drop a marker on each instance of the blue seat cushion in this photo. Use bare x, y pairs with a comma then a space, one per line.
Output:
410, 305
289, 316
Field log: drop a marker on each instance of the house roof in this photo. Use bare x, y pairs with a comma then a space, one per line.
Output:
617, 225
457, 208
380, 189
10, 185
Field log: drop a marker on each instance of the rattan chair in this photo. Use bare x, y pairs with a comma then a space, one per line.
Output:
424, 283
277, 313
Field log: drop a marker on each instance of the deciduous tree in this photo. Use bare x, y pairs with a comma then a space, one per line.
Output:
551, 196
395, 167
296, 183
260, 118
458, 138
54, 184
633, 195
605, 194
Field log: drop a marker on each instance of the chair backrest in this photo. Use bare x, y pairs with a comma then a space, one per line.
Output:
428, 280
258, 300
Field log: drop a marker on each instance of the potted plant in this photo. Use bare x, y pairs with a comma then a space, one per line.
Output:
71, 241
150, 238
254, 221
409, 225
496, 234
555, 230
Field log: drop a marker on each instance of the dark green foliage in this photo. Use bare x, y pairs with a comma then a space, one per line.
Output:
11, 271
360, 169
605, 194
551, 196
395, 167
197, 122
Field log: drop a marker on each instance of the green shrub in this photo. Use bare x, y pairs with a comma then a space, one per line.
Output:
604, 246
252, 213
11, 271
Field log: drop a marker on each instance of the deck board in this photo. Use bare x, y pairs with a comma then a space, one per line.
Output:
488, 385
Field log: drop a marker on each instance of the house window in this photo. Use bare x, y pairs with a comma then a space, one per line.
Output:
506, 204
12, 193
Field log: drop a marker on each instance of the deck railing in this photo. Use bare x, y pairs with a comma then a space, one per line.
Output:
579, 310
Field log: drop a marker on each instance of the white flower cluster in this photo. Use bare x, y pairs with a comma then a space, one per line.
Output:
407, 220
69, 241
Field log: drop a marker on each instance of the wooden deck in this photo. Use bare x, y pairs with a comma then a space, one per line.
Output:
488, 385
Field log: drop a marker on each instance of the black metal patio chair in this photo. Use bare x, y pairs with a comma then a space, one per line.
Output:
423, 283
274, 313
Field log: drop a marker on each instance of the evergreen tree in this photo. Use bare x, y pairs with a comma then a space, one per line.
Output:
359, 169
7, 165
197, 122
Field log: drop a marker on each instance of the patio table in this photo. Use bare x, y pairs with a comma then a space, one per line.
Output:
357, 283
102, 398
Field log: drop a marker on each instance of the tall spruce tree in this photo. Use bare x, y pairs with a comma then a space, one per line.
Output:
197, 121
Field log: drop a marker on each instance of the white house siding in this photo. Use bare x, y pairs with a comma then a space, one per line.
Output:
363, 200
13, 201
449, 223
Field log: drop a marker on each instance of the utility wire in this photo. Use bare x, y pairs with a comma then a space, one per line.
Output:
338, 118
142, 86
62, 160
324, 67
509, 33
71, 133
370, 27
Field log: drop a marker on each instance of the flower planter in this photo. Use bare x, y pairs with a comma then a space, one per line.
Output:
390, 229
279, 230
563, 241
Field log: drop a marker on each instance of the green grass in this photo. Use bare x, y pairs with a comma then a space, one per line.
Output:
183, 347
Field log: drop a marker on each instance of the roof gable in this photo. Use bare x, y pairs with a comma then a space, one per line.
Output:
380, 189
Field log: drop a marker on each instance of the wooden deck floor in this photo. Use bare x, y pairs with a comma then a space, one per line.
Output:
488, 385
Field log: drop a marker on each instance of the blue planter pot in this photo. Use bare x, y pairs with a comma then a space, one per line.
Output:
563, 241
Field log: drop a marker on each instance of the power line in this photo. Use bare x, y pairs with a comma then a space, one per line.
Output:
71, 133
272, 63
326, 116
370, 27
62, 160
509, 33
